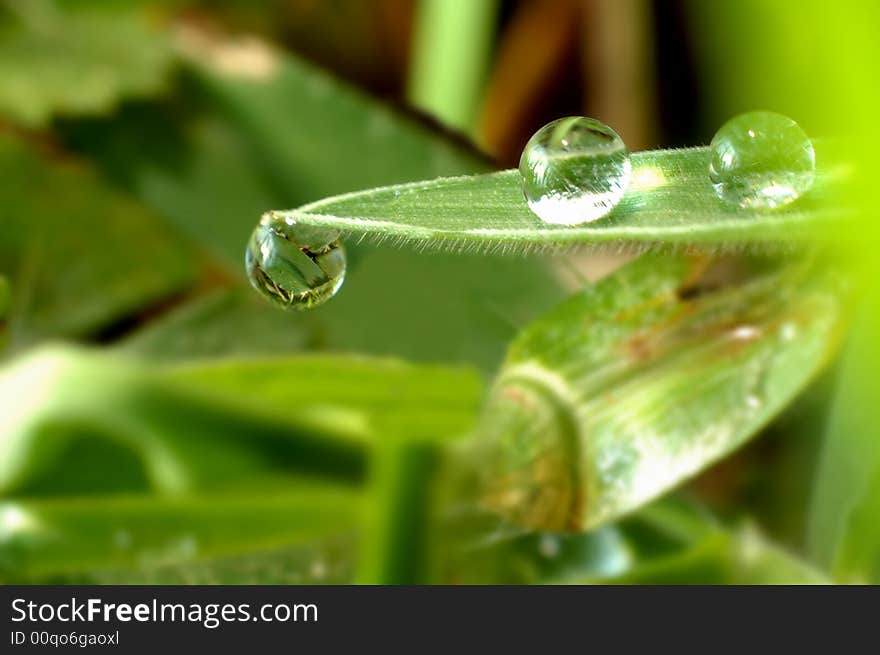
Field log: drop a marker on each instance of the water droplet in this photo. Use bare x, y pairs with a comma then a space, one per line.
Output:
574, 170
294, 265
761, 160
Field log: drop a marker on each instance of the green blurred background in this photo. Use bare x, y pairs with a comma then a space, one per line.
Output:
157, 423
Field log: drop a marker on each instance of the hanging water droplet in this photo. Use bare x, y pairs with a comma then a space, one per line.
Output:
761, 160
294, 265
574, 170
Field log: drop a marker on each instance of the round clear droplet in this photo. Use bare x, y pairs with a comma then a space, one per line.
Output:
294, 265
574, 170
761, 160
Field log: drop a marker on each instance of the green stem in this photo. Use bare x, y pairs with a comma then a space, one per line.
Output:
395, 543
451, 49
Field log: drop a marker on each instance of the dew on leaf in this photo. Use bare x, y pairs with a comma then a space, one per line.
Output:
574, 170
761, 160
296, 266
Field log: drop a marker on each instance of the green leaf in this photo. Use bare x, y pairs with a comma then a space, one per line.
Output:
843, 531
858, 554
670, 200
474, 308
212, 326
77, 59
639, 383
104, 424
312, 135
396, 521
324, 560
385, 398
200, 426
79, 265
671, 541
792, 442
191, 166
46, 539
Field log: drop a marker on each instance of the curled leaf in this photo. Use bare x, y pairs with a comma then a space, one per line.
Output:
639, 383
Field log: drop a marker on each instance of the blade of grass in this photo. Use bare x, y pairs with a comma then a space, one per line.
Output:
395, 398
206, 424
42, 539
325, 559
670, 200
397, 519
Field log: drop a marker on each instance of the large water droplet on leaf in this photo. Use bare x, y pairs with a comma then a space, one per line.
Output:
574, 170
761, 160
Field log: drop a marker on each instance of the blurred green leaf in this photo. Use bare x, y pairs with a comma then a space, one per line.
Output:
769, 69
312, 135
189, 164
642, 381
323, 560
670, 541
79, 264
858, 555
437, 307
219, 423
77, 58
212, 326
45, 539
474, 307
843, 531
385, 398
396, 520
779, 504
670, 200
254, 426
